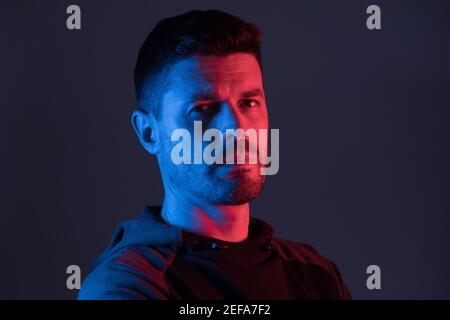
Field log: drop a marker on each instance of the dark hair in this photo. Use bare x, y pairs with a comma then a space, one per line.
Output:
210, 32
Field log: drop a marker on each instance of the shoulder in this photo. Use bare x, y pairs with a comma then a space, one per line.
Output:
132, 273
308, 262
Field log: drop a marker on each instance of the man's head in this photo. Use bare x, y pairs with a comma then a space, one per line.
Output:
201, 66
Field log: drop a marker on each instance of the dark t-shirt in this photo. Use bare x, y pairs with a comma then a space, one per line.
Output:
149, 259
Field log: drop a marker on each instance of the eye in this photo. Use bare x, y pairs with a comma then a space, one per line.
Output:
205, 109
249, 103
202, 108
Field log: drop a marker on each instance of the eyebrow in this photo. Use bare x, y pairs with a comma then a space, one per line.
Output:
244, 95
252, 93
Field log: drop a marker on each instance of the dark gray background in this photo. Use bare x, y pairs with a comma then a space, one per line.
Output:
363, 118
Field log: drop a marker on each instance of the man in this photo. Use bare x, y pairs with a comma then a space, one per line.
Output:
205, 67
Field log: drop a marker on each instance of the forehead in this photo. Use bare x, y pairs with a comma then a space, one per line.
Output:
226, 75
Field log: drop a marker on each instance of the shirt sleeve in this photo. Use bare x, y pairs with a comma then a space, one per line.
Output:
344, 293
116, 280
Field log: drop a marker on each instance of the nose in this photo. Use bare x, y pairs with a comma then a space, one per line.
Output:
229, 117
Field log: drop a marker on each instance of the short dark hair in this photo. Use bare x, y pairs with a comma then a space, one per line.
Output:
210, 32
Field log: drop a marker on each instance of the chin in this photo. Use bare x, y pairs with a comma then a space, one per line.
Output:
243, 191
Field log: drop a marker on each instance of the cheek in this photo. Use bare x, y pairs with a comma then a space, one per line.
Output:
260, 120
168, 124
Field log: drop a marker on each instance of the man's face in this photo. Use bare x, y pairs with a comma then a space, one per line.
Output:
223, 93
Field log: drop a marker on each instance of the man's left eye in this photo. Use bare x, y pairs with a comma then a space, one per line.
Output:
249, 103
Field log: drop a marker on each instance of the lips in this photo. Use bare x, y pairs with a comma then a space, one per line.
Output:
238, 170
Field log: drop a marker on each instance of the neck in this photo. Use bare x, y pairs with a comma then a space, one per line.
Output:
223, 222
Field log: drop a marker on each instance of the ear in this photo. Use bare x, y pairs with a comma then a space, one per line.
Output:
146, 128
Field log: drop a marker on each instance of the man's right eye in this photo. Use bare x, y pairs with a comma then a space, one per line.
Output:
203, 108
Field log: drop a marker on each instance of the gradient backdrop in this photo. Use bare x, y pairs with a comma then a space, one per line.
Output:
364, 129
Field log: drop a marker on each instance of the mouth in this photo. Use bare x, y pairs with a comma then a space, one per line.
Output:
240, 167
235, 170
